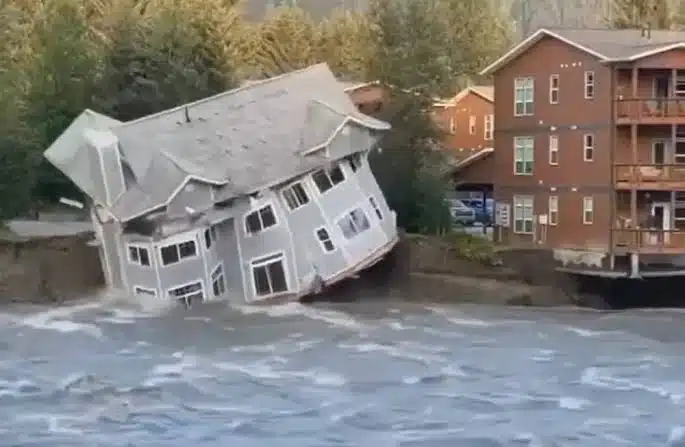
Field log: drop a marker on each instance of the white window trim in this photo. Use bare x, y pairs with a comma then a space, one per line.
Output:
262, 261
213, 236
523, 160
523, 199
472, 125
488, 127
587, 83
553, 89
590, 147
180, 259
256, 209
138, 247
453, 125
330, 238
290, 188
553, 207
223, 276
522, 80
553, 149
586, 209
178, 286
363, 208
144, 290
327, 171
375, 207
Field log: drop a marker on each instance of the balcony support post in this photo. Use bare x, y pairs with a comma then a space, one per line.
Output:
635, 177
670, 155
634, 265
635, 105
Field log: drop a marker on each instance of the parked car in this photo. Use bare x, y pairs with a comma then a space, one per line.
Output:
484, 214
461, 214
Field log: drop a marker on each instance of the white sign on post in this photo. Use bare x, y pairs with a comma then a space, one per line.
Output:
502, 215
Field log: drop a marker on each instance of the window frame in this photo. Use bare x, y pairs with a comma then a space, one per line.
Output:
291, 189
179, 258
218, 273
264, 261
488, 127
524, 84
453, 125
323, 241
209, 237
590, 210
200, 291
553, 149
553, 210
348, 214
589, 148
258, 211
521, 157
374, 204
138, 249
589, 84
142, 290
472, 124
327, 172
356, 162
522, 203
554, 89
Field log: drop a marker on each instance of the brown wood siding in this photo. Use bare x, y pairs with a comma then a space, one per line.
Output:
470, 105
667, 59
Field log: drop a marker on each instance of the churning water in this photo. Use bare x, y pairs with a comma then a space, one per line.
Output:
373, 374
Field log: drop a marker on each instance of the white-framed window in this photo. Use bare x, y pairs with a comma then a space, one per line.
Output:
260, 220
524, 91
523, 214
489, 126
553, 210
376, 208
524, 155
325, 179
353, 223
553, 150
472, 125
453, 125
589, 84
210, 236
188, 292
268, 275
218, 280
588, 147
554, 89
140, 290
295, 196
588, 210
355, 161
138, 255
325, 240
171, 254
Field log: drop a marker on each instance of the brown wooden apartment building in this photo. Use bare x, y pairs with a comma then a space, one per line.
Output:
590, 142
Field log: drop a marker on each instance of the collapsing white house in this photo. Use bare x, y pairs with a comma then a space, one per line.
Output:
257, 193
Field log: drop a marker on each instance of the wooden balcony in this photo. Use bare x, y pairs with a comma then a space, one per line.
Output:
664, 177
649, 241
650, 111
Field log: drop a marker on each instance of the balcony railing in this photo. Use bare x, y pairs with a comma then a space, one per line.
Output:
646, 109
646, 175
649, 240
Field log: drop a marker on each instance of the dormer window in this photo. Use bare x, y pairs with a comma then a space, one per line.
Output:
260, 220
327, 179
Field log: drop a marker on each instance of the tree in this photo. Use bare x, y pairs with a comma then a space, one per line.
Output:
345, 38
639, 13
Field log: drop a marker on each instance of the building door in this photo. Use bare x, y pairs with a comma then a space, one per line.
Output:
661, 87
659, 152
661, 220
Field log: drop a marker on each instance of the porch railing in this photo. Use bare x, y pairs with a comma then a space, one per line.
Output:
639, 108
649, 240
650, 173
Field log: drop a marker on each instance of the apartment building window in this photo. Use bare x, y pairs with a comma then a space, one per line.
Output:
453, 125
523, 214
376, 208
327, 179
524, 153
554, 89
353, 223
138, 255
553, 210
260, 220
218, 280
553, 150
210, 236
589, 84
295, 196
325, 240
188, 292
588, 147
268, 275
523, 96
588, 210
489, 126
171, 254
472, 125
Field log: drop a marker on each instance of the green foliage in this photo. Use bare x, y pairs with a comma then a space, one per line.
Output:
471, 248
639, 13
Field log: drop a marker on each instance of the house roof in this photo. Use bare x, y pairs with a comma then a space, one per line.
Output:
243, 140
608, 45
486, 92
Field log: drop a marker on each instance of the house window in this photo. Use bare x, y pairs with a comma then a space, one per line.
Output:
554, 89
589, 84
355, 162
376, 208
171, 254
553, 150
472, 125
218, 281
588, 147
138, 255
553, 211
588, 210
188, 292
453, 125
326, 179
260, 220
268, 276
489, 126
210, 236
325, 240
139, 290
523, 96
524, 153
353, 223
295, 196
523, 214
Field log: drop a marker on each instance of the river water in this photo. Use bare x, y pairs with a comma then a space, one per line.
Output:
361, 374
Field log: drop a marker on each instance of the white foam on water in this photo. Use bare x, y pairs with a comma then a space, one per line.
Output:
676, 436
186, 369
602, 378
399, 351
582, 332
16, 388
459, 319
56, 320
290, 309
573, 403
133, 307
